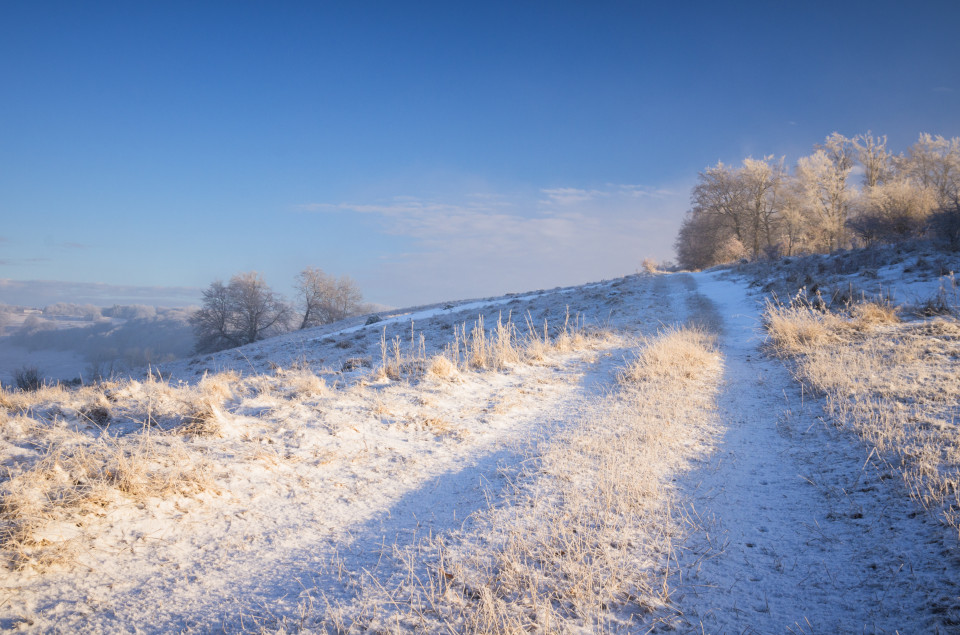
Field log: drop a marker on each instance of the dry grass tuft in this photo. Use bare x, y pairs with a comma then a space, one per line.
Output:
676, 353
946, 301
203, 418
478, 348
77, 453
18, 401
871, 314
302, 382
437, 425
97, 411
379, 409
441, 366
221, 386
799, 326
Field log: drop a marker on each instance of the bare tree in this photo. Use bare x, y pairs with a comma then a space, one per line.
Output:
324, 299
346, 301
212, 322
242, 312
720, 192
258, 310
313, 285
701, 240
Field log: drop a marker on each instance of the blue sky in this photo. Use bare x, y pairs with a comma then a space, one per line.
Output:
432, 151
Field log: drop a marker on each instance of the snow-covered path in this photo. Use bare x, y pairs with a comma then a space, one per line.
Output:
797, 529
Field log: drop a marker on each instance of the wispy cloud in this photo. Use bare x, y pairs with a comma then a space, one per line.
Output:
570, 195
944, 89
72, 245
479, 244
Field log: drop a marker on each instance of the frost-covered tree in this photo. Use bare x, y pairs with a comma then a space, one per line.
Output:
796, 231
840, 150
771, 212
763, 183
873, 156
893, 211
745, 201
242, 312
934, 162
324, 299
824, 179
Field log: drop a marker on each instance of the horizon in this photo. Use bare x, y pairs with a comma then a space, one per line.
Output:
432, 155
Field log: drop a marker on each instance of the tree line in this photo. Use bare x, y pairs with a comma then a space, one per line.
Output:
761, 209
246, 309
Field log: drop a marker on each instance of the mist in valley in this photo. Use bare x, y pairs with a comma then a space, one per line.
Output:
82, 342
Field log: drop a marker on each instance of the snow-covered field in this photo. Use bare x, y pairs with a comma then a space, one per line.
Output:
577, 479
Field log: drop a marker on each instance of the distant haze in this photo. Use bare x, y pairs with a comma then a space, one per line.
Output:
40, 293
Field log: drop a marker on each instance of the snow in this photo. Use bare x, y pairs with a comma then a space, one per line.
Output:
793, 527
302, 484
803, 530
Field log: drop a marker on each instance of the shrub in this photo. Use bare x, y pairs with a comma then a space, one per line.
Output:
944, 226
28, 378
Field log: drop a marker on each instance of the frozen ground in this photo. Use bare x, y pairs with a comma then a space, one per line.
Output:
790, 524
800, 528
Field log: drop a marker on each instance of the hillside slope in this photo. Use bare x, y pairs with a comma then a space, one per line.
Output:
590, 464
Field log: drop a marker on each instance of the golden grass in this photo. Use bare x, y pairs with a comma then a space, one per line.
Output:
897, 385
586, 528
442, 367
46, 502
437, 425
675, 354
223, 386
23, 400
301, 382
478, 348
77, 452
866, 315
798, 326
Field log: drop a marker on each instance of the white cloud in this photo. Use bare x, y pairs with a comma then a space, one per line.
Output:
483, 244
